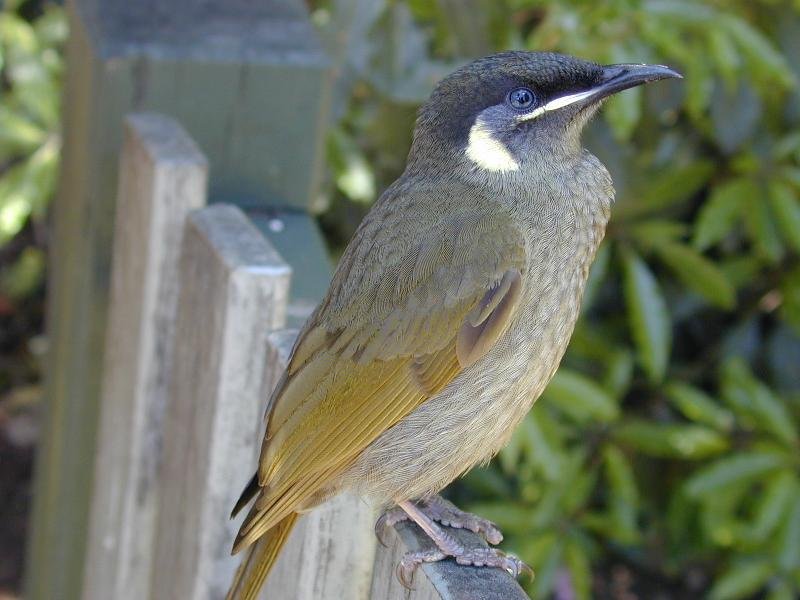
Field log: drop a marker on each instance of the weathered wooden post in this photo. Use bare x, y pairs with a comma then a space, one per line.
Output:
248, 80
234, 288
162, 178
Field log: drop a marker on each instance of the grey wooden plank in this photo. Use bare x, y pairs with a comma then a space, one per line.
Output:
247, 79
163, 178
385, 585
329, 554
233, 293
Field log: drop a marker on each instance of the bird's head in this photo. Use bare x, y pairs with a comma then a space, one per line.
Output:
506, 109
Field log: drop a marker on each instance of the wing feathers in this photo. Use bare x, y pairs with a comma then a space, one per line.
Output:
434, 371
292, 449
488, 320
382, 343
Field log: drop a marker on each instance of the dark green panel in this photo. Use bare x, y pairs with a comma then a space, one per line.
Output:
300, 243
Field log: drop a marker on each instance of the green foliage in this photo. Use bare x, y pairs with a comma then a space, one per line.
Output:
668, 441
30, 91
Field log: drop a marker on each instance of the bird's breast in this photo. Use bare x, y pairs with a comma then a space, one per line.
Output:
472, 417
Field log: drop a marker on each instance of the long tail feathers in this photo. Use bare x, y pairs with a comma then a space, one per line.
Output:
259, 560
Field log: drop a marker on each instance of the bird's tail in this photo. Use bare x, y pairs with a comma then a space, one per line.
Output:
259, 560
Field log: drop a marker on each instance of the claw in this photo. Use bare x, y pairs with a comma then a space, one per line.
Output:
386, 520
524, 569
408, 565
517, 567
380, 529
405, 574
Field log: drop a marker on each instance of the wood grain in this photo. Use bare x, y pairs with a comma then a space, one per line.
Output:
163, 177
233, 293
249, 81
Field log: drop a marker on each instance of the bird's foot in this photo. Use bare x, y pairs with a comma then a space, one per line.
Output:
442, 511
448, 514
476, 557
447, 545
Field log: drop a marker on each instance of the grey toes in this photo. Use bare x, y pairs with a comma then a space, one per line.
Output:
410, 562
449, 515
491, 557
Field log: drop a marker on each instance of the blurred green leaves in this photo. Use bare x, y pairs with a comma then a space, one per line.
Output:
668, 440
721, 212
30, 91
623, 496
733, 469
671, 440
786, 208
757, 405
697, 406
698, 274
354, 177
650, 323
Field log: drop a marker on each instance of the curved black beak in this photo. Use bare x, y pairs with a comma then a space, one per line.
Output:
616, 78
613, 79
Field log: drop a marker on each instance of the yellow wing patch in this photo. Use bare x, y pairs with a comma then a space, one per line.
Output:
358, 369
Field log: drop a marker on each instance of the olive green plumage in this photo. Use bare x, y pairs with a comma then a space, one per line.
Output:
454, 302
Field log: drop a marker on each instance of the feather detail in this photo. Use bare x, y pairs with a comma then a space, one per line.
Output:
256, 566
488, 320
381, 343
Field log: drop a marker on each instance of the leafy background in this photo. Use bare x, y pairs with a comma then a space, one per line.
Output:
31, 40
663, 461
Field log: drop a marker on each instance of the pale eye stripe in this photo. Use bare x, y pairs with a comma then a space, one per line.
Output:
557, 103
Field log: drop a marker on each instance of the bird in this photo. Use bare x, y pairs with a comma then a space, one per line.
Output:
449, 310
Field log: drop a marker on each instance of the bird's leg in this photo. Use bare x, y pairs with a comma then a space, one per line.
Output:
444, 512
448, 514
447, 545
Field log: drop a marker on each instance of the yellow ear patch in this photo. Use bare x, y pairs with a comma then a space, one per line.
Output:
487, 152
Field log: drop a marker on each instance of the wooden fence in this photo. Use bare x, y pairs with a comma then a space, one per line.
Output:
194, 345
251, 82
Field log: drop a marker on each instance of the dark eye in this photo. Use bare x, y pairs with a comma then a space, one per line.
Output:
521, 98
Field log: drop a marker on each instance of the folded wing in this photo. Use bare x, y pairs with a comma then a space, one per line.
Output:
395, 328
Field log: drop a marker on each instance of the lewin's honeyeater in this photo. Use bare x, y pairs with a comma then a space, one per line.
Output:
449, 311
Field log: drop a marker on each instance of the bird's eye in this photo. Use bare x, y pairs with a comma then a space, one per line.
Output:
521, 98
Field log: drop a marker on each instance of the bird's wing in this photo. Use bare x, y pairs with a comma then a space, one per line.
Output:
409, 308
